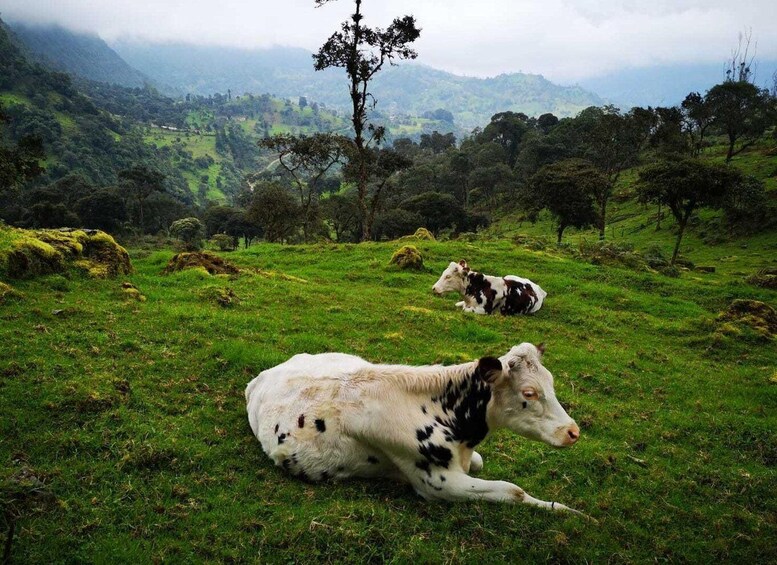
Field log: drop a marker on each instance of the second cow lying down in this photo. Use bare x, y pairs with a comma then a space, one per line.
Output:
484, 294
336, 416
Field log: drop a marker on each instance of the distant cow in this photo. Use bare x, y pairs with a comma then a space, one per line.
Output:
484, 294
334, 416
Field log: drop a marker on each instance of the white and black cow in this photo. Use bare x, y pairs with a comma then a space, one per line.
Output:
484, 294
335, 416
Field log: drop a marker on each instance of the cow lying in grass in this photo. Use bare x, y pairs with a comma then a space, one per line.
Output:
484, 294
334, 416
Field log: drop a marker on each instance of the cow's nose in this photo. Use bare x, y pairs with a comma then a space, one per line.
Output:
434, 290
573, 433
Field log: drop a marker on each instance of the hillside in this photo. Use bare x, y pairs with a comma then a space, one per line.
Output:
135, 447
708, 243
408, 89
78, 54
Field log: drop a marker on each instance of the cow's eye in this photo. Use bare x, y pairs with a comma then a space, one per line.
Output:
529, 394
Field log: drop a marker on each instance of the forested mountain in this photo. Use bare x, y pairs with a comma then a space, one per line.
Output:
78, 54
666, 85
409, 89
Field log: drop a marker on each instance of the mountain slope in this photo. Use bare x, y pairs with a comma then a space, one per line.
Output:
82, 55
408, 89
666, 85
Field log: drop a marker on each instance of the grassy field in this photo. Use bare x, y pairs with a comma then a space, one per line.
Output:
128, 418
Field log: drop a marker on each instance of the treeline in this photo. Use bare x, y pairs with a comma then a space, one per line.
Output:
568, 168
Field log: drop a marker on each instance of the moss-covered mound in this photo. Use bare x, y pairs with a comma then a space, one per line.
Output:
765, 278
40, 252
223, 296
214, 264
7, 293
753, 313
408, 257
421, 234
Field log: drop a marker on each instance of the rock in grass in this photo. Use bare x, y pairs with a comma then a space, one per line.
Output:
753, 313
131, 292
223, 296
44, 252
213, 264
421, 234
408, 257
7, 293
765, 278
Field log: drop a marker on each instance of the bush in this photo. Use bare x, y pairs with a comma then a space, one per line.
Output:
223, 242
611, 253
190, 231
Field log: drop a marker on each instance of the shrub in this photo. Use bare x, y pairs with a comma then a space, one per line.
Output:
190, 231
223, 242
212, 264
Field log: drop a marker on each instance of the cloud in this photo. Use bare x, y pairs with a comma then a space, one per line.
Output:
565, 40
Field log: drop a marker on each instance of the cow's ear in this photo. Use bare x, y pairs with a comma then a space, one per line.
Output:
540, 349
489, 369
464, 266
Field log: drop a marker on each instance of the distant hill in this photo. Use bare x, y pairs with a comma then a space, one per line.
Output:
82, 55
666, 85
408, 89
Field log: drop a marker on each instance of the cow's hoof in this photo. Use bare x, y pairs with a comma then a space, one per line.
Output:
476, 463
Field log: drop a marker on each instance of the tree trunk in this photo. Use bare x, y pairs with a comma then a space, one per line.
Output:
602, 218
560, 232
730, 154
658, 218
679, 239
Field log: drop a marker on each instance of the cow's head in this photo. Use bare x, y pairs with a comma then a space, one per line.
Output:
453, 279
525, 401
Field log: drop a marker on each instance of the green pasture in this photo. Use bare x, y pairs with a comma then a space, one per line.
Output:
123, 435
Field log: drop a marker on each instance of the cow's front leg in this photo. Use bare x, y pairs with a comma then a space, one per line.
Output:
476, 462
461, 304
455, 486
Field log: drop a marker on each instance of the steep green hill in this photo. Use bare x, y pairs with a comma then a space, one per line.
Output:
708, 242
79, 54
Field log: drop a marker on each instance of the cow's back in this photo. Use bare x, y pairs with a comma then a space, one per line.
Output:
527, 298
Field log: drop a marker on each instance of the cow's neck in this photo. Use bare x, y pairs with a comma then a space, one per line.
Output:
461, 403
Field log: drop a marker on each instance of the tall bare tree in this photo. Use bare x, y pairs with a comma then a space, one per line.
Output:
363, 51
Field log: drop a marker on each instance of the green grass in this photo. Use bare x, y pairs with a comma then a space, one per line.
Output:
133, 415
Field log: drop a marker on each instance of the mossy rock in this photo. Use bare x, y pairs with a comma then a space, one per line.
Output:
408, 257
213, 264
131, 292
223, 296
8, 293
753, 313
765, 278
45, 252
421, 234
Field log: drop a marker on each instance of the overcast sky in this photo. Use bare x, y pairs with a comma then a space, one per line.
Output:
565, 40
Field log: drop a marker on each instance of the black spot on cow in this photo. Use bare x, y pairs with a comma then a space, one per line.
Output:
301, 421
321, 426
520, 298
525, 404
422, 434
281, 438
442, 478
286, 464
324, 475
302, 475
438, 455
423, 408
276, 428
481, 290
294, 458
464, 405
424, 466
428, 482
372, 460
